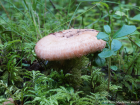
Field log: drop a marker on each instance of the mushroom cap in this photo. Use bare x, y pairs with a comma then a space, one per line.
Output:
11, 102
68, 44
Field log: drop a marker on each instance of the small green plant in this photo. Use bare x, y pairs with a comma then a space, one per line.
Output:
10, 91
113, 43
11, 73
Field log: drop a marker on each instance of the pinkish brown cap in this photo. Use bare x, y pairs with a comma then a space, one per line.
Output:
9, 101
68, 44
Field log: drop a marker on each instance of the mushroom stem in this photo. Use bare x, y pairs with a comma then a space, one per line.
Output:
72, 70
62, 62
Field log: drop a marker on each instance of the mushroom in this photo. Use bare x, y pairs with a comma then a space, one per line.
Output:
9, 101
68, 44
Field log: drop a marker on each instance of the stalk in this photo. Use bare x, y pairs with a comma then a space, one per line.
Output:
109, 79
109, 65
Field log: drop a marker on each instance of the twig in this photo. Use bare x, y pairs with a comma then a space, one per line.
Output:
132, 41
136, 57
5, 10
55, 7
